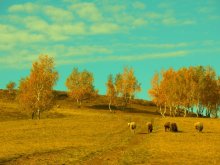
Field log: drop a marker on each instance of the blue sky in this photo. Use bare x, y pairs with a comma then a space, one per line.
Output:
104, 36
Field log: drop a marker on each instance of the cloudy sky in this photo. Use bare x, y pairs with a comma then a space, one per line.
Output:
103, 36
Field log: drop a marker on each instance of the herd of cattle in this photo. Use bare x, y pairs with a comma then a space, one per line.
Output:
168, 126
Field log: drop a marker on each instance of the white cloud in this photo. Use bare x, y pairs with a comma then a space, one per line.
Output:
74, 29
54, 13
174, 21
148, 56
35, 23
124, 58
18, 59
88, 11
77, 51
26, 7
6, 29
104, 28
59, 33
139, 22
153, 15
6, 46
164, 5
58, 14
168, 17
24, 57
115, 8
138, 5
165, 46
169, 21
10, 34
54, 31
124, 19
86, 50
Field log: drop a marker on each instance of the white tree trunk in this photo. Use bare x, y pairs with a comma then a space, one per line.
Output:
38, 113
165, 109
109, 105
170, 110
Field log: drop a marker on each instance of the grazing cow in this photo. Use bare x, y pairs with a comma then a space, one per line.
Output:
167, 126
173, 127
132, 126
198, 126
149, 127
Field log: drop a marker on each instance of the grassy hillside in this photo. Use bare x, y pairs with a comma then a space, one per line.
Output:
93, 135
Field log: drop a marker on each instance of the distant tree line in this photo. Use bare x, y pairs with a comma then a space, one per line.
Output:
178, 91
195, 89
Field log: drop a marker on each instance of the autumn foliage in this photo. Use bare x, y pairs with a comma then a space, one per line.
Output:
10, 87
80, 85
111, 90
125, 86
35, 92
193, 89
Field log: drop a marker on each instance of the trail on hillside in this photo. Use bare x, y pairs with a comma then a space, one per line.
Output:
114, 156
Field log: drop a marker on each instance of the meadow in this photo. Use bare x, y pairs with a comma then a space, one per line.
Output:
93, 135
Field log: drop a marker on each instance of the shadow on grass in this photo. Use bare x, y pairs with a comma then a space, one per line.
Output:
6, 116
179, 132
101, 107
142, 133
13, 159
55, 115
208, 132
175, 132
119, 108
135, 110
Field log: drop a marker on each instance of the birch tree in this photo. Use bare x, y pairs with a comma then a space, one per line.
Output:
111, 91
156, 93
36, 91
185, 89
80, 85
127, 85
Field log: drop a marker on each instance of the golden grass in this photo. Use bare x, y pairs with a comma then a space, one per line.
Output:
184, 147
84, 136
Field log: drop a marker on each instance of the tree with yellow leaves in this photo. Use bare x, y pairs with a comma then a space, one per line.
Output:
35, 92
127, 85
111, 91
10, 86
156, 93
80, 85
185, 89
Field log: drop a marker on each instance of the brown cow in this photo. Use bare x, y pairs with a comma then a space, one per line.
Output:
198, 126
173, 127
167, 126
149, 127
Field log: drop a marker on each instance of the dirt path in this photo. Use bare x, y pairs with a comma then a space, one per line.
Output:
113, 157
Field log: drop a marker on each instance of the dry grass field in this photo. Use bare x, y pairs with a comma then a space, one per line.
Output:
96, 136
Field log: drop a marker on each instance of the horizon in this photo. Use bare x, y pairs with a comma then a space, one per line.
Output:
103, 37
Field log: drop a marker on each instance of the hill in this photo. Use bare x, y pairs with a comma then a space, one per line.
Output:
93, 135
10, 109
